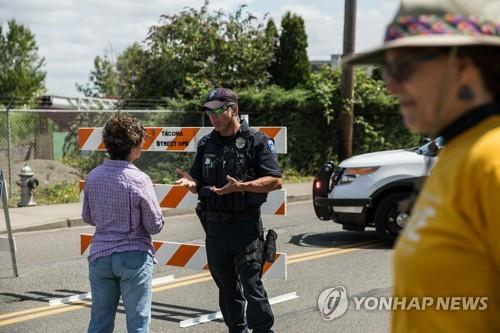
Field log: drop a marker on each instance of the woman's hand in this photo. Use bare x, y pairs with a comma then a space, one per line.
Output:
186, 180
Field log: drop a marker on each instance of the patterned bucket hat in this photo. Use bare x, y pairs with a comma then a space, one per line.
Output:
434, 23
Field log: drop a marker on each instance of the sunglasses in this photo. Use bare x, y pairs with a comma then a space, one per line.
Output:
217, 111
402, 70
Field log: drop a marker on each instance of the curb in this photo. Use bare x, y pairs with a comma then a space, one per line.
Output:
299, 197
78, 222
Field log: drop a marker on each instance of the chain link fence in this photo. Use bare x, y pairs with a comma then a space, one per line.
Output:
46, 140
43, 135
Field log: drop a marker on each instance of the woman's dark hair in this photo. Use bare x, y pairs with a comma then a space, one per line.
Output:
486, 58
122, 133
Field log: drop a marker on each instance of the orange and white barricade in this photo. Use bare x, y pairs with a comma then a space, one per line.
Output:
174, 139
194, 256
185, 139
176, 196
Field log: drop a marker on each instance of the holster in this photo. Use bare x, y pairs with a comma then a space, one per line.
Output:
270, 246
201, 213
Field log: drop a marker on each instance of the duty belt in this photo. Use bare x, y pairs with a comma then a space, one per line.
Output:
245, 216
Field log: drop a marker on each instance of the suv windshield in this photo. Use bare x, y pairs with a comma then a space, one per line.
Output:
431, 148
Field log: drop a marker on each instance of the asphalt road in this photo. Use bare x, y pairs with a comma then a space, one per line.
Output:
320, 256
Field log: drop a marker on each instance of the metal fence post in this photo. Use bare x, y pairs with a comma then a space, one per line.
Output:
3, 195
9, 145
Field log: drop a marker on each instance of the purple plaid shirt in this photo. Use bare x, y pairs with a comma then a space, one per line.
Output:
119, 200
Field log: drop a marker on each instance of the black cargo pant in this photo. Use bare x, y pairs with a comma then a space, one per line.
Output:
224, 242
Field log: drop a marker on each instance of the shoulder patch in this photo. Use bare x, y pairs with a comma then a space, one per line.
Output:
212, 94
272, 148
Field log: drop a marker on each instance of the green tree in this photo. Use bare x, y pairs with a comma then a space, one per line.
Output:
115, 78
312, 110
377, 73
273, 35
21, 73
196, 49
130, 67
294, 67
103, 79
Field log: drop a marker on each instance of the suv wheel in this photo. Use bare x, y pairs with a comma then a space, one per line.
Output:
389, 219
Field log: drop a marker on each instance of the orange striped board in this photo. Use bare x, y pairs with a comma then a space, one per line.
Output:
174, 139
176, 196
194, 256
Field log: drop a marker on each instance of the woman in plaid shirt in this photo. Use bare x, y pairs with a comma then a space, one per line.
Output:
119, 200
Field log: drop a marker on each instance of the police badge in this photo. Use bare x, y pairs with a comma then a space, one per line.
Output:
240, 142
210, 160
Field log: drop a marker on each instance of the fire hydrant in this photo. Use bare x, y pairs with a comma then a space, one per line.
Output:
27, 183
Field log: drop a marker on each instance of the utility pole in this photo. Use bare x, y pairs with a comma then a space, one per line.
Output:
345, 118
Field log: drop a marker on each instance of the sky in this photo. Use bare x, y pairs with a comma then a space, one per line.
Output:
71, 33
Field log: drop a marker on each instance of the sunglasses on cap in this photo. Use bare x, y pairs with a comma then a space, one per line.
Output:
402, 70
220, 110
217, 111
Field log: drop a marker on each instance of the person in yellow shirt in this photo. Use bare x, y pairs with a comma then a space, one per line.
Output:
441, 59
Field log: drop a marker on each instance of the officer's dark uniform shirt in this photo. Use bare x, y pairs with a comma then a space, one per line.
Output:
232, 222
247, 155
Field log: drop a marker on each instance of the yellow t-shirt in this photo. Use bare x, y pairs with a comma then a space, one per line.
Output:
451, 245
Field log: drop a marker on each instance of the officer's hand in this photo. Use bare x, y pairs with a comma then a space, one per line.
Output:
186, 180
233, 185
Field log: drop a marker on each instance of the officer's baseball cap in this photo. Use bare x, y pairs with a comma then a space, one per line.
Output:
218, 98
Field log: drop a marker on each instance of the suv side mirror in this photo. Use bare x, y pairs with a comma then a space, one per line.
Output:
433, 149
426, 140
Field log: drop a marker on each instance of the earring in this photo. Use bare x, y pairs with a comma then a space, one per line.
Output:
465, 93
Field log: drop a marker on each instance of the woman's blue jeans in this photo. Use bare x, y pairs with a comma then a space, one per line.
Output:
128, 274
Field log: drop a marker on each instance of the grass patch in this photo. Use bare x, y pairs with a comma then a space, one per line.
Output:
292, 176
50, 195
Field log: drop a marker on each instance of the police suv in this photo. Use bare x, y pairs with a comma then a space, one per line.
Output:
366, 190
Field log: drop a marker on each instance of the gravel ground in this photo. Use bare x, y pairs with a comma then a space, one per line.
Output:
48, 172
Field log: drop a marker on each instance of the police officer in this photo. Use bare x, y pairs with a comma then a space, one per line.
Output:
234, 169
